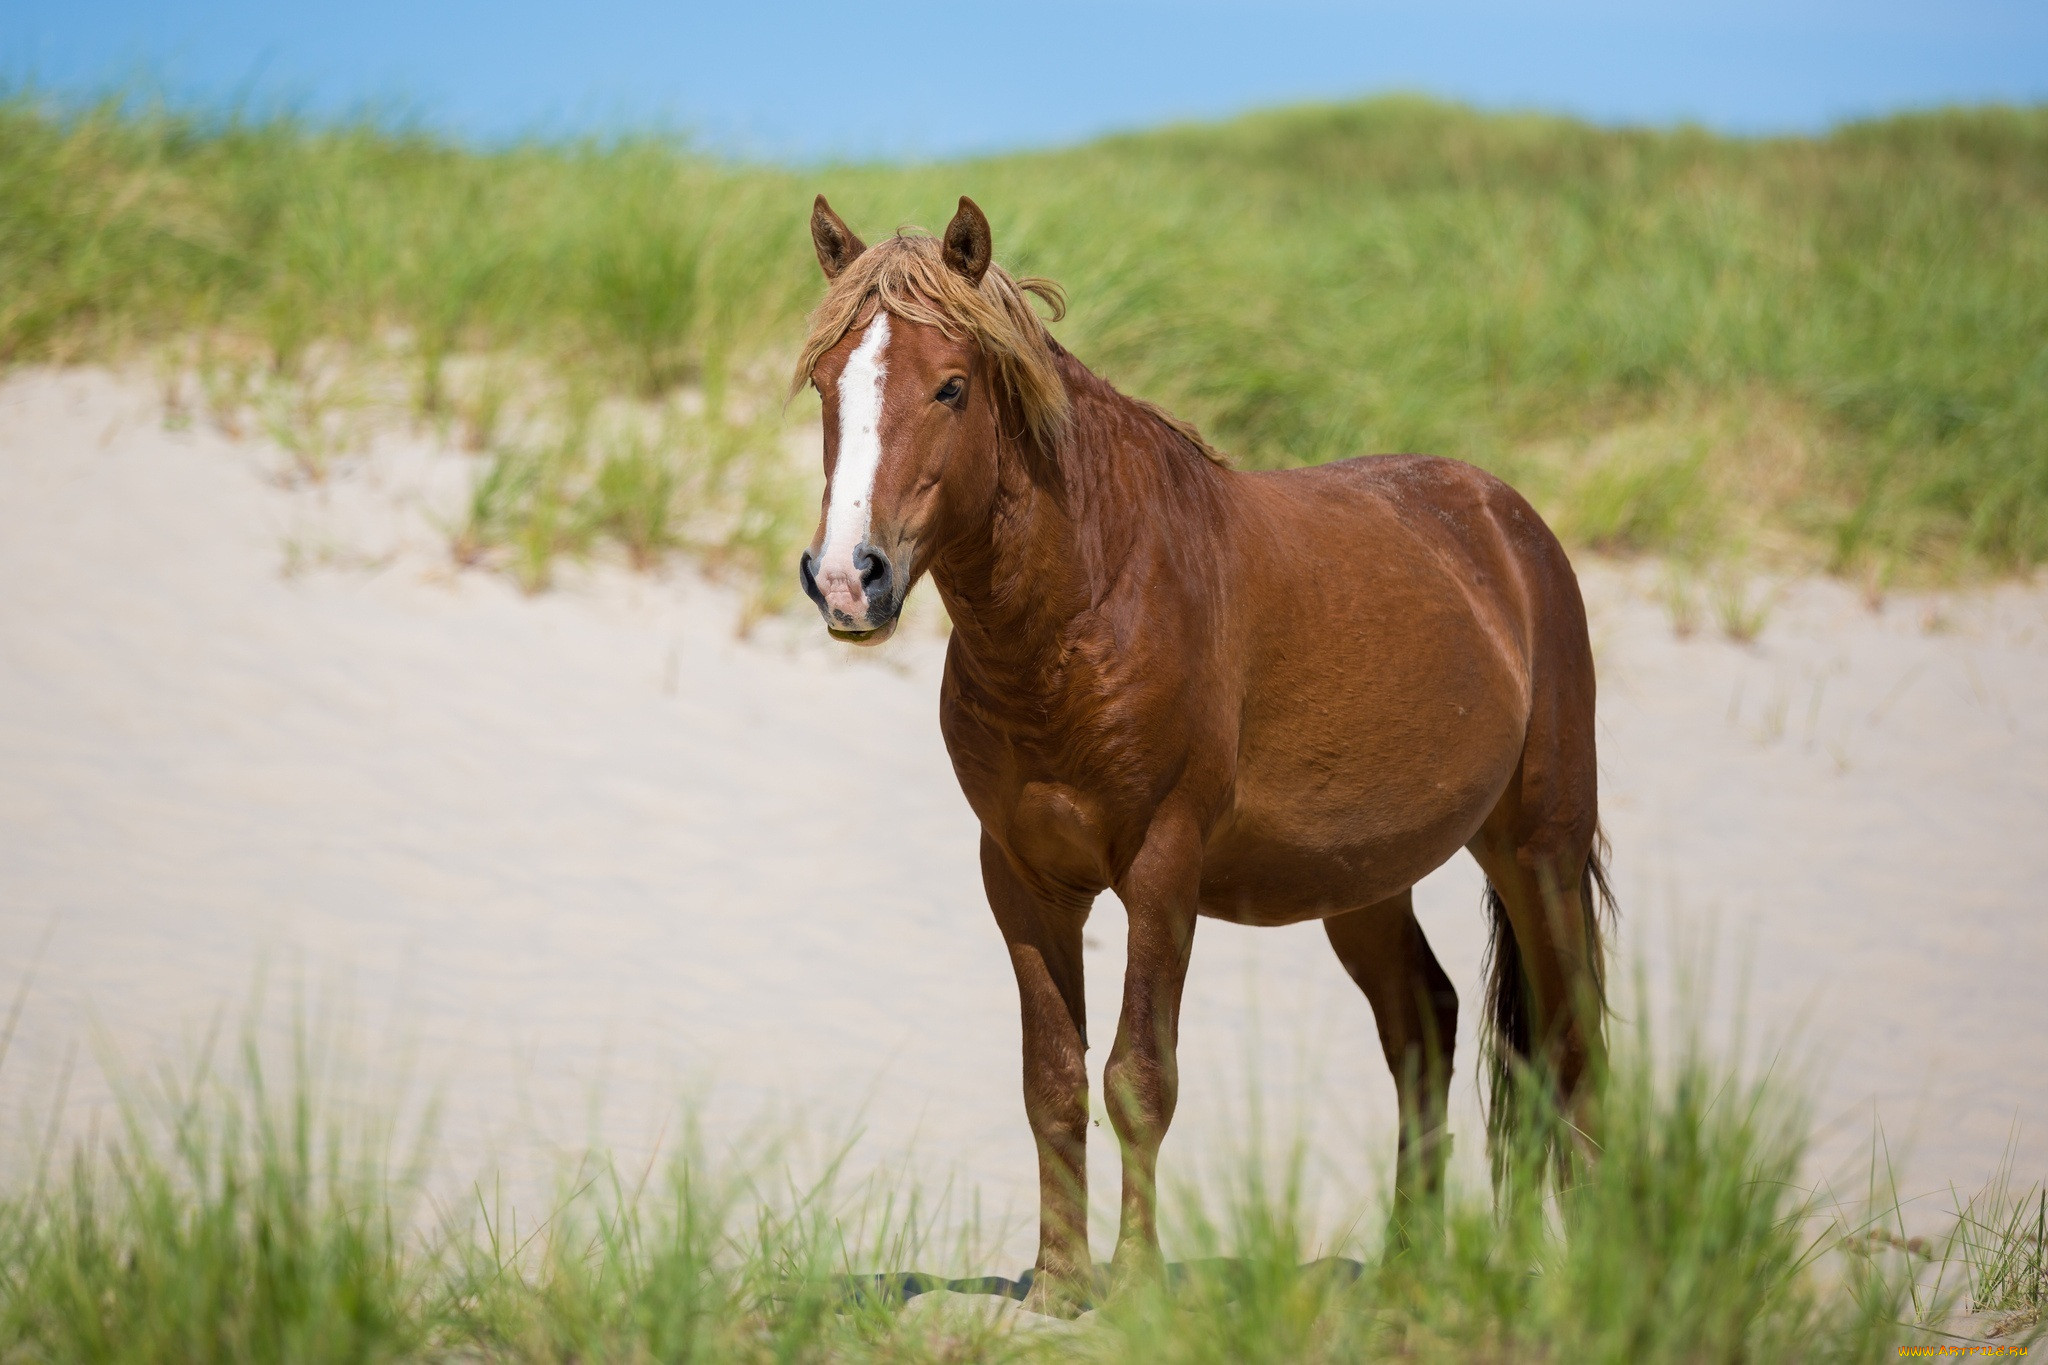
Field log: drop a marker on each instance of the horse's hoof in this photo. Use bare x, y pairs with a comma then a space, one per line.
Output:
1054, 1298
1135, 1266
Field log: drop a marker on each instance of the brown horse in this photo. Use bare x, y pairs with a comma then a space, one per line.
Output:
1263, 697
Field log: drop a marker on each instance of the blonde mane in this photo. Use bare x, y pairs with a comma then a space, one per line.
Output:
908, 277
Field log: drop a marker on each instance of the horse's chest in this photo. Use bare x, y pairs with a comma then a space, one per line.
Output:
1072, 827
1063, 833
1068, 804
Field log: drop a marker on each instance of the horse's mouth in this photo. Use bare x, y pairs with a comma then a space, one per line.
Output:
864, 637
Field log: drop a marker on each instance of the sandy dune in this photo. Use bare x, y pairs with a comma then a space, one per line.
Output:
585, 852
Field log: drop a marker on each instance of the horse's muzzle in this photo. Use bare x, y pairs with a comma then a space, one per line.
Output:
878, 591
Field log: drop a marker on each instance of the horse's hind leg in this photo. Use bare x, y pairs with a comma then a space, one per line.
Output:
1416, 1008
1548, 997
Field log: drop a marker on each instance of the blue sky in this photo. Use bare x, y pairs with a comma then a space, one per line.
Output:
805, 80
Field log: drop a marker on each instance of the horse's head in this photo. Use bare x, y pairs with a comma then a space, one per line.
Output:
919, 352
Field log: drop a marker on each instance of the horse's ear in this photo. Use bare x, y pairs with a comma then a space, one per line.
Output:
836, 244
967, 243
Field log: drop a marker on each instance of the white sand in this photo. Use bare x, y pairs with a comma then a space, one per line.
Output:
589, 851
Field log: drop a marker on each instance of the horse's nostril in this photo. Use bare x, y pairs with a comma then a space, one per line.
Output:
807, 574
873, 566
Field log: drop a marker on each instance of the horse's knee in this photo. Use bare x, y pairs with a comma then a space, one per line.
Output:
1140, 1084
1056, 1094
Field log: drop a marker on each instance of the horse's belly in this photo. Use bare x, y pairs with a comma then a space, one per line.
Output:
1326, 833
1252, 877
1257, 875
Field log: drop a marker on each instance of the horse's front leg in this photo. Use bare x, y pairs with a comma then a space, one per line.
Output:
1044, 937
1142, 1080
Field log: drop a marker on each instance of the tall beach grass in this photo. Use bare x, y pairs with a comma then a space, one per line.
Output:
246, 1211
1832, 350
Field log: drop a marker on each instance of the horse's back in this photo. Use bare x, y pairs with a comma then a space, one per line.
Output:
1453, 506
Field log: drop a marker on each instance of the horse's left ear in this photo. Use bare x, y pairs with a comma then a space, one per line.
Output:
967, 242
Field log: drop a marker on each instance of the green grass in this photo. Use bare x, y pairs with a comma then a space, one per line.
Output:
228, 1218
1829, 350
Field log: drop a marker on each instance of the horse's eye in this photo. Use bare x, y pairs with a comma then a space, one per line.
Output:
950, 391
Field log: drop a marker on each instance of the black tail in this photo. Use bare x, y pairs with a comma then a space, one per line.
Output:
1507, 1030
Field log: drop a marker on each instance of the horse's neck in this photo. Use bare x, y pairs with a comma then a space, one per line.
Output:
1065, 523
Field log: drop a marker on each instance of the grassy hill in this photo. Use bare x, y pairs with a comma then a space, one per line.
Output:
1830, 350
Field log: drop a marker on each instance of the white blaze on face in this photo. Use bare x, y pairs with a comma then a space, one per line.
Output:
853, 477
